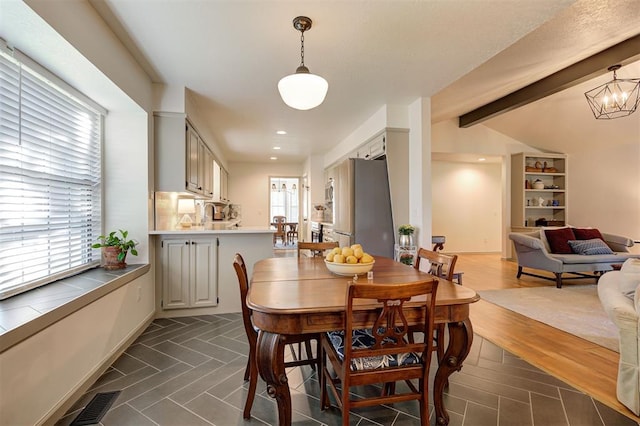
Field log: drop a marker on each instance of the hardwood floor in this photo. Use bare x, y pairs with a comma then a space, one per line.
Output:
586, 366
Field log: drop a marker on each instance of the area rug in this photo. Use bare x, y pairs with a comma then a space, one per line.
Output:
575, 309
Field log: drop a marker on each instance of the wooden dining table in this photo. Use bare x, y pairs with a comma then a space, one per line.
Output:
297, 295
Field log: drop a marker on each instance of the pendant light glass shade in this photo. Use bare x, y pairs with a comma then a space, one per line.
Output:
617, 98
303, 90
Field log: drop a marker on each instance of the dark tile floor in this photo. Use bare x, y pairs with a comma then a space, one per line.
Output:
189, 371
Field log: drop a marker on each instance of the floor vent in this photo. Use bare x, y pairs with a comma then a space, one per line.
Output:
95, 409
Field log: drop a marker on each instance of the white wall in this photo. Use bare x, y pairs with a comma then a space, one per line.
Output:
466, 206
249, 187
44, 373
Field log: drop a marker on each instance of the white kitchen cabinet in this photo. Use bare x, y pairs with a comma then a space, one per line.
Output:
220, 183
224, 185
183, 159
373, 148
189, 272
208, 174
377, 147
546, 205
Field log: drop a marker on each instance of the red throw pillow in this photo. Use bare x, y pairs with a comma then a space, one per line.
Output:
587, 234
558, 240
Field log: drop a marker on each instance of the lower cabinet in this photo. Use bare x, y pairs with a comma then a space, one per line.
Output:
189, 272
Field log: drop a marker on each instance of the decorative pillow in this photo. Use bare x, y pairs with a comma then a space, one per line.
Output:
587, 233
543, 235
558, 240
587, 247
629, 277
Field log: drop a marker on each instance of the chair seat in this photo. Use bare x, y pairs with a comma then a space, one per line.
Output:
363, 339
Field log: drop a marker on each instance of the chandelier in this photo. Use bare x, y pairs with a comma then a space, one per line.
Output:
617, 98
303, 90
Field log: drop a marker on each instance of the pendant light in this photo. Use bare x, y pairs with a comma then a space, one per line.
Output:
617, 98
303, 90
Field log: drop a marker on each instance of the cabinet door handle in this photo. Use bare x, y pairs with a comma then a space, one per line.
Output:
193, 243
186, 242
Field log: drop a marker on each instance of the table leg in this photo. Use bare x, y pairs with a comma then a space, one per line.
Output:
460, 339
270, 359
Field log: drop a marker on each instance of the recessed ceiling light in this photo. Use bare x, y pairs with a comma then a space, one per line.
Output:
273, 158
281, 132
482, 159
276, 147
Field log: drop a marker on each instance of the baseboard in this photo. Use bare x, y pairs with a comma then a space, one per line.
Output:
97, 372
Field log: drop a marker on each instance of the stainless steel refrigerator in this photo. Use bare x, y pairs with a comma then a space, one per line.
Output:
362, 206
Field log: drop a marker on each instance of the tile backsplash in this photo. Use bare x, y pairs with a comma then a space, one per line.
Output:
166, 211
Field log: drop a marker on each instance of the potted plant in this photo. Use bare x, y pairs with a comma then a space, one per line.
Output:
406, 235
115, 249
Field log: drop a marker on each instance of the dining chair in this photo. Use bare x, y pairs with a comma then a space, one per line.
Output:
381, 354
315, 249
441, 265
251, 371
292, 233
280, 223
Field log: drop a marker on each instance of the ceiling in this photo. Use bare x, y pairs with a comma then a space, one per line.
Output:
230, 55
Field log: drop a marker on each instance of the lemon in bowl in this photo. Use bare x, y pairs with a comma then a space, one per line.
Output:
349, 262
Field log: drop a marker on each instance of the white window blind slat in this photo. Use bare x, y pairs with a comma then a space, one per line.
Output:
50, 179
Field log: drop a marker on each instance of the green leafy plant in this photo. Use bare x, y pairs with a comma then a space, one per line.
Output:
406, 229
112, 240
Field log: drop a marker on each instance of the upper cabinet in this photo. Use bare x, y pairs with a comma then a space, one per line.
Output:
538, 190
220, 183
373, 149
183, 159
199, 163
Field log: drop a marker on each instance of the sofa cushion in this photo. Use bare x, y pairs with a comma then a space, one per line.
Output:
604, 260
629, 277
589, 247
587, 233
558, 240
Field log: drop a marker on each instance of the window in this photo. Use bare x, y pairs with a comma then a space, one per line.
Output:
284, 198
50, 176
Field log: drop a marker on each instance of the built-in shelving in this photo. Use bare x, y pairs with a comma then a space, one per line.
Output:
532, 206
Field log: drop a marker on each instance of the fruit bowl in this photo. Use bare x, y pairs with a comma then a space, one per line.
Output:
349, 269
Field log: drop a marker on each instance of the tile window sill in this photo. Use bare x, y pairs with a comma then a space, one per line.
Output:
26, 314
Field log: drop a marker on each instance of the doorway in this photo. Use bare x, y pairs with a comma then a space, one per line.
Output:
284, 202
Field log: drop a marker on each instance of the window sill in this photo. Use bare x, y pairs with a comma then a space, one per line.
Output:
26, 314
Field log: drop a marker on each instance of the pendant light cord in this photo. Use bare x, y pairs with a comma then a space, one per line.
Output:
302, 48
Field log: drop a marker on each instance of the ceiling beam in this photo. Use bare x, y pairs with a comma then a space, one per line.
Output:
622, 53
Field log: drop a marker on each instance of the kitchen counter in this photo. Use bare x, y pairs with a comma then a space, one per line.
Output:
216, 228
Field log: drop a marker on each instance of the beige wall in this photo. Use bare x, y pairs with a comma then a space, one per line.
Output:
467, 205
249, 187
41, 373
603, 183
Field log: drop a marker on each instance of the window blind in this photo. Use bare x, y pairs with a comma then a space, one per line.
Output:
50, 179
